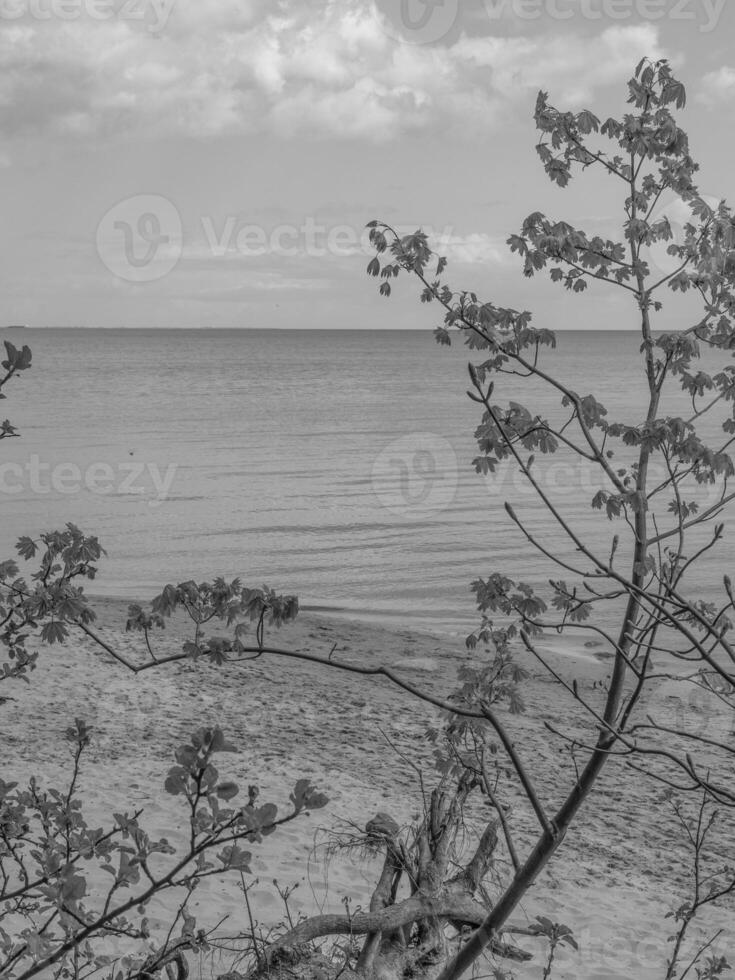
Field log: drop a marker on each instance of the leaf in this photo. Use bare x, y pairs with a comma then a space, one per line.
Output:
12, 355
219, 743
26, 548
189, 925
235, 859
54, 632
175, 781
227, 790
73, 888
302, 794
544, 925
674, 91
266, 816
8, 569
587, 122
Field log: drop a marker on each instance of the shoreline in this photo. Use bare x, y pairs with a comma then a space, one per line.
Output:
584, 644
457, 629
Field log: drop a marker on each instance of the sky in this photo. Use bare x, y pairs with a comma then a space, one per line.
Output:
181, 163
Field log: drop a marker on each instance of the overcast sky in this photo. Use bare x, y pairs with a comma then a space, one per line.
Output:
190, 163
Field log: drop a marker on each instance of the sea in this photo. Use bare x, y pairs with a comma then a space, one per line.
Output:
334, 465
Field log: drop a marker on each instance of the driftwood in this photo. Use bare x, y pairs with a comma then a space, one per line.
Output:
173, 963
412, 933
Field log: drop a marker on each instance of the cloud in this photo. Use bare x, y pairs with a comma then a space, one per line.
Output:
717, 86
477, 248
314, 67
268, 283
571, 67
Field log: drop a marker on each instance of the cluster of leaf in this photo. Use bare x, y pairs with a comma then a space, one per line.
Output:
508, 609
705, 617
15, 362
502, 430
497, 683
55, 910
197, 779
567, 600
204, 603
649, 153
556, 932
503, 331
575, 258
463, 742
713, 967
49, 601
516, 600
652, 135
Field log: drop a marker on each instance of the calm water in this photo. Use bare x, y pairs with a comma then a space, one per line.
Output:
333, 465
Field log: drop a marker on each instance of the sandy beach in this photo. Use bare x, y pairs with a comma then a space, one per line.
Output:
621, 869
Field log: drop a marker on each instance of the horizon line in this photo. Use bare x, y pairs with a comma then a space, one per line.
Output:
14, 327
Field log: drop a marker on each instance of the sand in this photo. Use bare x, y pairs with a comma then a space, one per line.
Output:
621, 869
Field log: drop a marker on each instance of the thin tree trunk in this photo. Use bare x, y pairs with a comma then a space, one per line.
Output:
547, 844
